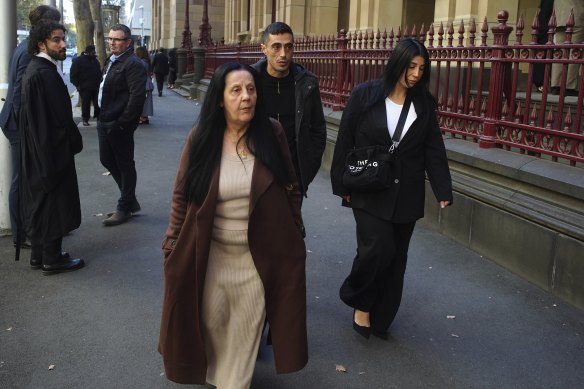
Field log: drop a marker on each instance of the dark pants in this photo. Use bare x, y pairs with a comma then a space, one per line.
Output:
13, 196
48, 251
116, 153
159, 81
87, 98
376, 281
171, 77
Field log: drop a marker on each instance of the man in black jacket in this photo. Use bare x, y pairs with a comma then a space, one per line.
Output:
121, 99
160, 67
49, 139
295, 101
86, 75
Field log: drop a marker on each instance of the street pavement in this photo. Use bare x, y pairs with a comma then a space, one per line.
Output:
465, 322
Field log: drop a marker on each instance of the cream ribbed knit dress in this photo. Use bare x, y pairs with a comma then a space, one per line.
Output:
233, 298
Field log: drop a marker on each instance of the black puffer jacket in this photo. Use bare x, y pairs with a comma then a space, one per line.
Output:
309, 123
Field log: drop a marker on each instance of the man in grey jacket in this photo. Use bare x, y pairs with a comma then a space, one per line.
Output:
294, 100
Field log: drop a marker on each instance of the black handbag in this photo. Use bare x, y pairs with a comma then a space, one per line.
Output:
370, 168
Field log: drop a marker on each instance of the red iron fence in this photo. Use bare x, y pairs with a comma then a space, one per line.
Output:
485, 89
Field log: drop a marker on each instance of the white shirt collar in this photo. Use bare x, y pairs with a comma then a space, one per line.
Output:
46, 56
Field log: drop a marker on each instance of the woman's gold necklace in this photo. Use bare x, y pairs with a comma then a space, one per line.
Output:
243, 153
235, 140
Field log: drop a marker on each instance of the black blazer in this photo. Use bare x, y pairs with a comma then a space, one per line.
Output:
420, 152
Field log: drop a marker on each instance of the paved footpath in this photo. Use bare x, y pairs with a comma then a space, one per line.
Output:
98, 327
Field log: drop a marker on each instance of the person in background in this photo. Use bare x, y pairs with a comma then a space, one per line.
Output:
148, 109
563, 9
294, 100
546, 8
122, 96
160, 66
171, 68
49, 140
234, 251
10, 114
86, 75
385, 219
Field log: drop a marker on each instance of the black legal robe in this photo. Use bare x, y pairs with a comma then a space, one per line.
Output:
50, 206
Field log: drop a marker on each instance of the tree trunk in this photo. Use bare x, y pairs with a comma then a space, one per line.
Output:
84, 24
95, 6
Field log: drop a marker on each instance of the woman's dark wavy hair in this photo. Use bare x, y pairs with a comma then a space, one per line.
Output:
399, 61
207, 141
142, 53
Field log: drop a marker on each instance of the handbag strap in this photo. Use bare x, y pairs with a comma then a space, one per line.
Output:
400, 123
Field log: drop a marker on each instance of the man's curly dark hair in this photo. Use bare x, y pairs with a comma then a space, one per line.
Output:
41, 32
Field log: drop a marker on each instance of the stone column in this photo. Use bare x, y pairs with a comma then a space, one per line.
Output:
7, 44
199, 64
375, 14
181, 64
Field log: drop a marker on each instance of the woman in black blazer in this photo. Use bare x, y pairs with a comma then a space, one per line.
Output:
385, 219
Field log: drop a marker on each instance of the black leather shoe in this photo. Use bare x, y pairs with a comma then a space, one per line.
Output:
86, 123
36, 264
118, 217
63, 266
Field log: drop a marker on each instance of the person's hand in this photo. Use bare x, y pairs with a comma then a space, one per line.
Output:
347, 198
444, 204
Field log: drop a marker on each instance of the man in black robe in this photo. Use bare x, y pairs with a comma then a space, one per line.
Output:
50, 138
11, 111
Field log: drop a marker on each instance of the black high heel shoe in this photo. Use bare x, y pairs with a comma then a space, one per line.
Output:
361, 330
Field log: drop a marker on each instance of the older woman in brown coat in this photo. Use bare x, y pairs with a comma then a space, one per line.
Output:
234, 250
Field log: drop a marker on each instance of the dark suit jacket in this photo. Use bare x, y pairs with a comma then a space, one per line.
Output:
160, 64
420, 152
278, 251
124, 91
9, 115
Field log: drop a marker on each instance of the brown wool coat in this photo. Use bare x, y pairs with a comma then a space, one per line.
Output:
278, 251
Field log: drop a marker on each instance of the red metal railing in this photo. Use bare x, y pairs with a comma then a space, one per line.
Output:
485, 92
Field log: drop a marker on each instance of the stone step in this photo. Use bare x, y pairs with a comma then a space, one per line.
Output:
183, 90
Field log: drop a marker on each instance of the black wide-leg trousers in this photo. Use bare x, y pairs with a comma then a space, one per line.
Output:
376, 280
